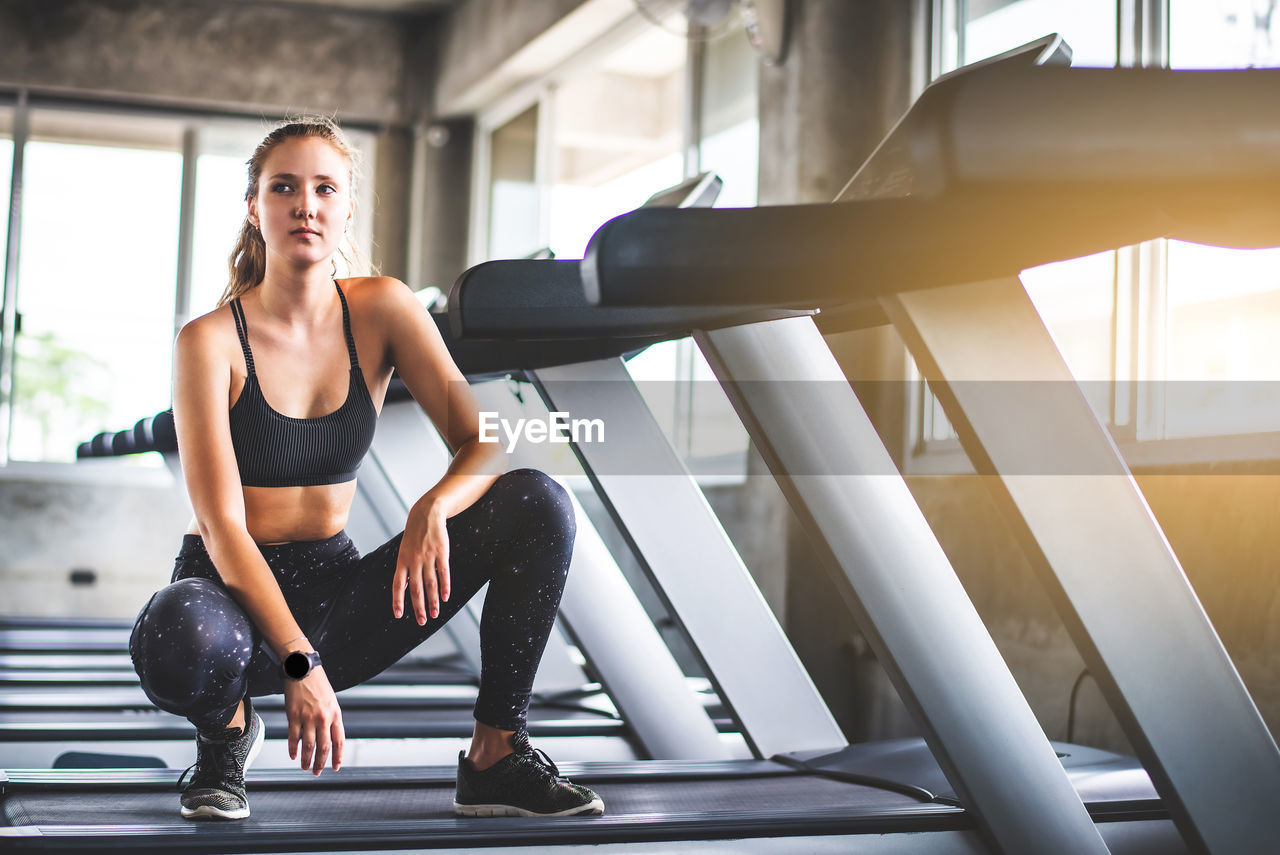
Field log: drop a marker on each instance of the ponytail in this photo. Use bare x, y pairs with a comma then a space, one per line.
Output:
247, 264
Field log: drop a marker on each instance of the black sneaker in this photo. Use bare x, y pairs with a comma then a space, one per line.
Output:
524, 783
216, 790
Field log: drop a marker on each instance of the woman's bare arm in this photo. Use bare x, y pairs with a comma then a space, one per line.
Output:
423, 362
414, 348
202, 375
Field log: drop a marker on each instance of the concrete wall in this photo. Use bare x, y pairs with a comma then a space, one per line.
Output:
243, 57
247, 59
1219, 525
121, 524
480, 35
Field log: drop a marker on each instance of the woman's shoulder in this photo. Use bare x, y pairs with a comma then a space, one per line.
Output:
210, 332
371, 287
377, 293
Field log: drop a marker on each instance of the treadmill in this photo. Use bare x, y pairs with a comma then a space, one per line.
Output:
880, 798
991, 172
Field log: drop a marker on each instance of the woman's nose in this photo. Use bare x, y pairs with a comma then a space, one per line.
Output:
306, 206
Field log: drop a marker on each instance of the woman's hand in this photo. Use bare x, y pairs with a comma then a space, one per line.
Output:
315, 721
423, 563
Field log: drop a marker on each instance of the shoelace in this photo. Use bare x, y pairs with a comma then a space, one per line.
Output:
214, 758
534, 756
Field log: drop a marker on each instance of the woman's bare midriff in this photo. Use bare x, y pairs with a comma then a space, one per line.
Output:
290, 514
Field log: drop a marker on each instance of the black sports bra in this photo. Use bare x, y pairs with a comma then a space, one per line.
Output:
274, 450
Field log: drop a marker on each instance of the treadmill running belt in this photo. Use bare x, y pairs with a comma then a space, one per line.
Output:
436, 802
377, 813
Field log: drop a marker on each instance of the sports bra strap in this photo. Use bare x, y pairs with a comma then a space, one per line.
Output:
346, 326
242, 329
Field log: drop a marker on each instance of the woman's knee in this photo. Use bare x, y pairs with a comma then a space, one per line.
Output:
540, 501
191, 643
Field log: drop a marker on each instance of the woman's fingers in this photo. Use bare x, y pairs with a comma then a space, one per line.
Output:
339, 737
322, 750
426, 578
417, 595
443, 561
315, 722
398, 584
432, 586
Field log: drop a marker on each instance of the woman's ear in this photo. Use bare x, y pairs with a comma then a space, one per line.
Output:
253, 212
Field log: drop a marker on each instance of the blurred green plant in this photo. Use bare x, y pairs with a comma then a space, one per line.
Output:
53, 386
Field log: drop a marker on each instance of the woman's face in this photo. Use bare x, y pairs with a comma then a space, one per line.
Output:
303, 204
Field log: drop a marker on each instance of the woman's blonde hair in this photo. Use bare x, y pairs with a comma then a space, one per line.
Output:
248, 261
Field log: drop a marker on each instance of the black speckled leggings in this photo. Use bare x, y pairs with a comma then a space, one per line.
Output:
198, 654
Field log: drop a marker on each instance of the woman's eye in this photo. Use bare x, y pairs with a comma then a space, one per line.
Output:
327, 188
280, 187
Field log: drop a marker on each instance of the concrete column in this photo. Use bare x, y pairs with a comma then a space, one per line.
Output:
848, 75
851, 70
444, 151
392, 195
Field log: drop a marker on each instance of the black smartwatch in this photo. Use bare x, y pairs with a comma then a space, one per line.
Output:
297, 664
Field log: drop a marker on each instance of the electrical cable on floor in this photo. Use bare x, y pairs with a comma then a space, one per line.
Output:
1071, 705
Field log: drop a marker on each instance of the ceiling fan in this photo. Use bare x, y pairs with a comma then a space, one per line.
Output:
765, 21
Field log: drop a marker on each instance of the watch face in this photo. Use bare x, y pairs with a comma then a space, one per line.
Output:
296, 665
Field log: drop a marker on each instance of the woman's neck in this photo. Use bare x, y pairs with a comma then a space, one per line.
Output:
297, 297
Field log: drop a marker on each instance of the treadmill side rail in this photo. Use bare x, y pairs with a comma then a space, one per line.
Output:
686, 551
1114, 579
845, 490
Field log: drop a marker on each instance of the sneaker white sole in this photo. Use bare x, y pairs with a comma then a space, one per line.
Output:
211, 812
595, 807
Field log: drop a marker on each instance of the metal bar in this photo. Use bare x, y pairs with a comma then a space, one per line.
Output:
844, 488
635, 665
1113, 577
695, 72
9, 304
186, 227
691, 560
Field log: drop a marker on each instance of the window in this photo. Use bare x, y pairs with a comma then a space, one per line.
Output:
1075, 298
617, 136
98, 254
596, 140
99, 292
729, 143
221, 176
6, 160
994, 26
513, 188
1165, 337
1224, 34
1221, 305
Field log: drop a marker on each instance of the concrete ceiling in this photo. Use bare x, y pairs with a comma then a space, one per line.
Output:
380, 7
